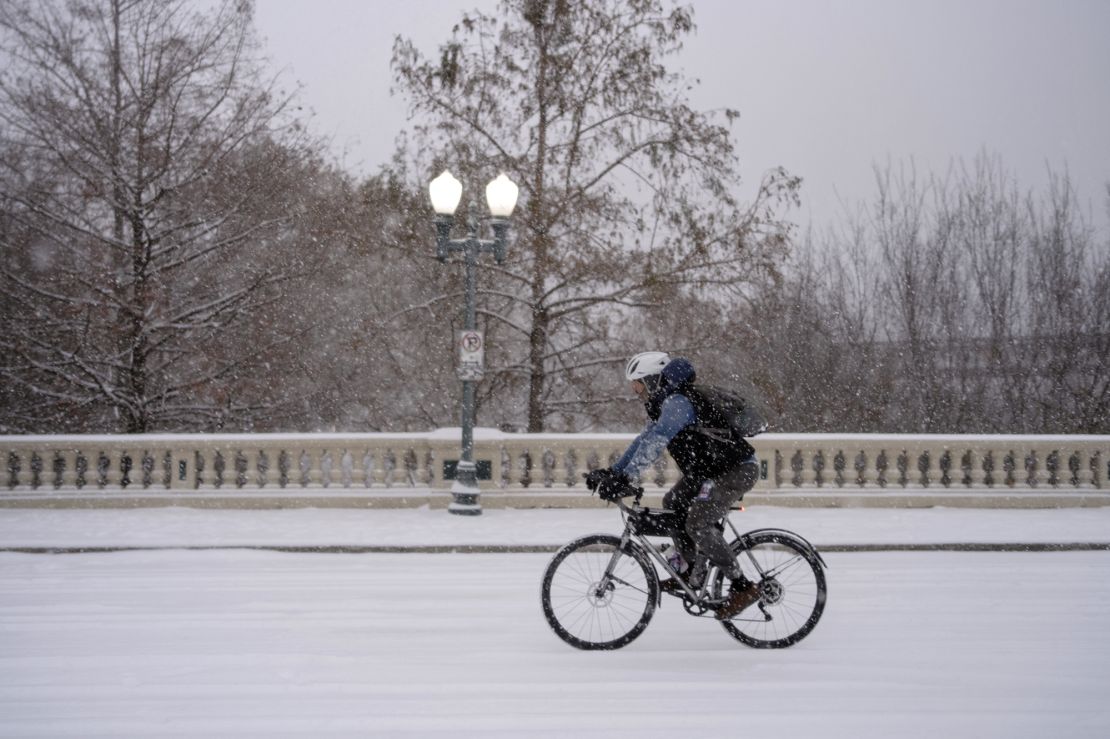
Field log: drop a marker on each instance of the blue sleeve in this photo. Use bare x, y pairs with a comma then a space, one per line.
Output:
676, 414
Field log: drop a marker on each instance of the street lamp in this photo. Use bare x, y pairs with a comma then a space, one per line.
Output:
501, 196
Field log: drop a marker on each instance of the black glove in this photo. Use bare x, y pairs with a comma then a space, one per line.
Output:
596, 477
614, 487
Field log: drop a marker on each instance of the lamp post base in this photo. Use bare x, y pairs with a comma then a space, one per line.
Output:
465, 505
465, 491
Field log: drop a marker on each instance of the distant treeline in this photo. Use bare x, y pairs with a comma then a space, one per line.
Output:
179, 253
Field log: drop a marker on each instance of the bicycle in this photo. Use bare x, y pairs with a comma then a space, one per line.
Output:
600, 591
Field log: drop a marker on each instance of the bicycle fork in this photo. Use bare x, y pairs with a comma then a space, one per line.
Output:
605, 583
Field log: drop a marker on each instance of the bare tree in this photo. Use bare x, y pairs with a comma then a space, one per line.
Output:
1068, 343
140, 156
627, 192
954, 304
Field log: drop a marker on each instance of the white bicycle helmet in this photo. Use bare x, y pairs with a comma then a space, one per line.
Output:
645, 364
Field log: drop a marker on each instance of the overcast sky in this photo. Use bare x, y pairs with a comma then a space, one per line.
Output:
826, 88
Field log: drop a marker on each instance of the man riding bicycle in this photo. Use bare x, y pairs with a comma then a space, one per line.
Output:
717, 469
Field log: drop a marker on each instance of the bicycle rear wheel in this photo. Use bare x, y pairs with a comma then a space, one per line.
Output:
597, 597
792, 590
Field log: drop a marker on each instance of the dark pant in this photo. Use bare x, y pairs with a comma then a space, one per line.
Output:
700, 505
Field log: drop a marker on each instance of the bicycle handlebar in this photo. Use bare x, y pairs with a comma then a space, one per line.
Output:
634, 491
637, 495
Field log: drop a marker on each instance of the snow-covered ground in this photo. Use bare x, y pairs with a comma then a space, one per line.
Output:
263, 643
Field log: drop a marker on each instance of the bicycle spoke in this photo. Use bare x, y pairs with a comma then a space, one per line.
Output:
792, 591
595, 600
774, 571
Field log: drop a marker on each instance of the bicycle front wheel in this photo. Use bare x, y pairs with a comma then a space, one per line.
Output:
792, 589
596, 596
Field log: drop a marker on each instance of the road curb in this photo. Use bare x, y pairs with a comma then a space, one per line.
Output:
549, 548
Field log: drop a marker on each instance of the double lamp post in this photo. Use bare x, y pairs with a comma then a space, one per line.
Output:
501, 194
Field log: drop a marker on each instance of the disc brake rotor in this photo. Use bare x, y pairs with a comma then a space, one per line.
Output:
771, 592
598, 596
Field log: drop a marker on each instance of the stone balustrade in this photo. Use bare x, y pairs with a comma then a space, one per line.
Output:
860, 463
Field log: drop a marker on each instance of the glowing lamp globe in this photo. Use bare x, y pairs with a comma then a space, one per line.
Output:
501, 195
446, 192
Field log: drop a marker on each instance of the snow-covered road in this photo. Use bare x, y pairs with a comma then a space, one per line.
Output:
255, 643
182, 526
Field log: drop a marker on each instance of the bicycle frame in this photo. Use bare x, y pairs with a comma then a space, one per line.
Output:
628, 535
653, 551
696, 596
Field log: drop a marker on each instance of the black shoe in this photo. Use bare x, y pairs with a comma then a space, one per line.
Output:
741, 597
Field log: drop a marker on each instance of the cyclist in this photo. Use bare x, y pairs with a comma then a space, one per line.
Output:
716, 468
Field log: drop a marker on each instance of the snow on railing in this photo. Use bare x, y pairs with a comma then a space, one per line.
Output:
229, 462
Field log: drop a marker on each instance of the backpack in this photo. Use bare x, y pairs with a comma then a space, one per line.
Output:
726, 406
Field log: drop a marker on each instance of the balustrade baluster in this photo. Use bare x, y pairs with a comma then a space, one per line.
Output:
389, 467
863, 468
1030, 467
922, 463
1009, 465
992, 468
266, 468
839, 467
527, 469
550, 467
944, 468
200, 470
36, 470
1084, 475
149, 467
1056, 467
244, 464
221, 478
809, 468
794, 465
406, 463
571, 465
69, 470
13, 468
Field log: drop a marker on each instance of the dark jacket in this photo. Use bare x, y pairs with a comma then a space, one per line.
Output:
705, 449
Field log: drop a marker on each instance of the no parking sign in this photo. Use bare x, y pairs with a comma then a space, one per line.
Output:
472, 354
